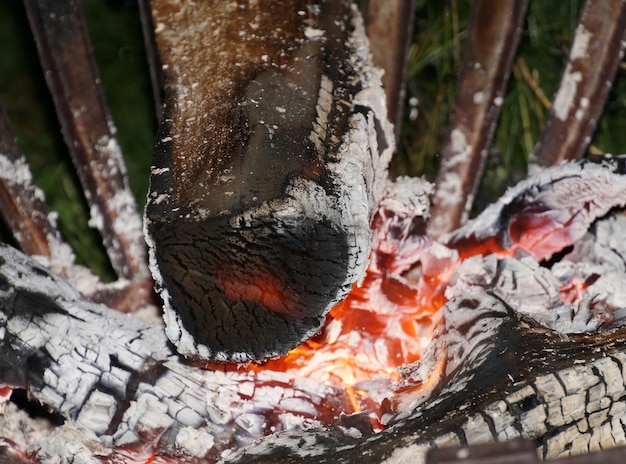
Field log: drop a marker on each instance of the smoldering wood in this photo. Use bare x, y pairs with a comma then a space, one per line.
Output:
118, 383
594, 57
558, 206
485, 67
508, 373
267, 170
64, 48
531, 405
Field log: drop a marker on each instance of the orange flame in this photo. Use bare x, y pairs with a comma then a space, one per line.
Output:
383, 324
387, 322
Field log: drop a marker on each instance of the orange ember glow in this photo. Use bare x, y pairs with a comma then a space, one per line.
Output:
262, 288
360, 345
387, 321
383, 324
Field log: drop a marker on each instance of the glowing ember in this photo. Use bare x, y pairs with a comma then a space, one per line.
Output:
388, 321
381, 326
392, 350
384, 323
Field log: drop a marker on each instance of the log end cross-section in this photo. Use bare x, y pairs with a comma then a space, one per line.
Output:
270, 159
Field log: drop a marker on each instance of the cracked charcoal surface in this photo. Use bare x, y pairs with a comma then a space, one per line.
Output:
257, 231
118, 383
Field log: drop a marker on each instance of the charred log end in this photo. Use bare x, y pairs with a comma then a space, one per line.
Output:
277, 201
255, 285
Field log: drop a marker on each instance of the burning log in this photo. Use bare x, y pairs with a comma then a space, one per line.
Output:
509, 327
269, 164
495, 364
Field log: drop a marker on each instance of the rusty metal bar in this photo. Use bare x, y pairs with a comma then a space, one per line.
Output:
591, 66
494, 31
61, 35
389, 26
22, 205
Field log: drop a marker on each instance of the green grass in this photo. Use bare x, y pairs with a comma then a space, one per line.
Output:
434, 62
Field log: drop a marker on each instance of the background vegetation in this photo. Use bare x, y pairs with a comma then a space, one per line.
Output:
440, 29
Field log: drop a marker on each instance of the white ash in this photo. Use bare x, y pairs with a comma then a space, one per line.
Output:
565, 98
580, 47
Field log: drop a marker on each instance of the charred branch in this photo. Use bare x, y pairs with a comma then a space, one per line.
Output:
565, 202
589, 72
389, 26
22, 203
495, 28
65, 52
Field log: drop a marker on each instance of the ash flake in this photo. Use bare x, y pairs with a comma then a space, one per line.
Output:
565, 97
478, 98
580, 47
195, 442
312, 33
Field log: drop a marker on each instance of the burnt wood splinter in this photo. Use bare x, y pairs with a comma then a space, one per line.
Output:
270, 159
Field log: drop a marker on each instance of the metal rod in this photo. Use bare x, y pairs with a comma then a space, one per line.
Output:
65, 52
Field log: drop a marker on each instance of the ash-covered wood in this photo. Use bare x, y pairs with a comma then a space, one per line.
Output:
593, 60
506, 372
545, 212
530, 343
65, 52
487, 57
270, 160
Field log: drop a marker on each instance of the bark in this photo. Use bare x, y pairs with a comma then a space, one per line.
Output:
270, 161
